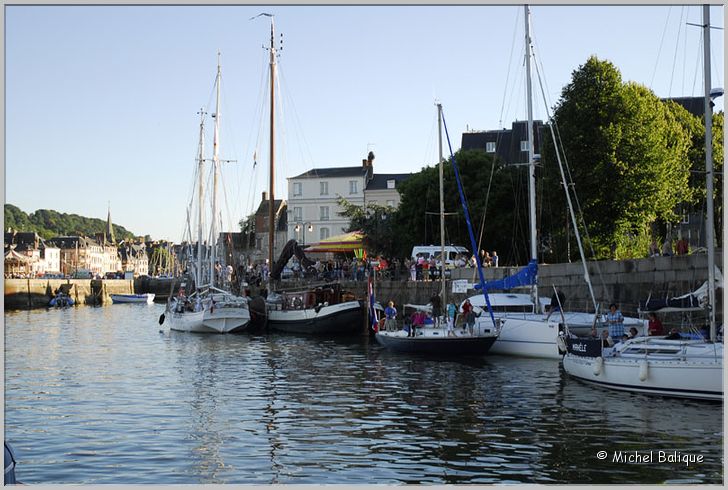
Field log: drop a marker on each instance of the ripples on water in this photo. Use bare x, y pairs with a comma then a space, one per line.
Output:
100, 395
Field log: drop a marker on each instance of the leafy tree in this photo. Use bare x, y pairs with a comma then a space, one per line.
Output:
497, 202
247, 228
628, 157
380, 237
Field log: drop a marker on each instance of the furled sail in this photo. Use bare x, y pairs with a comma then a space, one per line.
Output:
525, 277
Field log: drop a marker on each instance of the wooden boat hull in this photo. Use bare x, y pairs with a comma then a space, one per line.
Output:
342, 318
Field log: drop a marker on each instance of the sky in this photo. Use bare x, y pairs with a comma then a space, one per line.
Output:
102, 102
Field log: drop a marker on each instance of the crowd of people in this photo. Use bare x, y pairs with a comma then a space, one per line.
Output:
680, 247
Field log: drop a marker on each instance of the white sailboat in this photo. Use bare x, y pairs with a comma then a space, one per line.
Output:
184, 311
531, 333
432, 339
322, 309
656, 365
226, 312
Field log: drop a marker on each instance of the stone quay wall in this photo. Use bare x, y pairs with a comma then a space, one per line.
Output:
625, 282
36, 293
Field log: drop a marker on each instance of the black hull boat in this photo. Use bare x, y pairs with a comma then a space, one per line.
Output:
339, 319
443, 345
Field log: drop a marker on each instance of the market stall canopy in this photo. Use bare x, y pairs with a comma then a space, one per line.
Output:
13, 256
348, 242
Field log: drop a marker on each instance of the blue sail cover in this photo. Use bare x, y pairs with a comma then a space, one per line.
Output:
525, 277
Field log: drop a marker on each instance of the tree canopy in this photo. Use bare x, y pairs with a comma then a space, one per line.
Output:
629, 155
48, 223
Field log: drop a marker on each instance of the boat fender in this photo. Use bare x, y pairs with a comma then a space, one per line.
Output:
598, 365
161, 318
561, 343
644, 369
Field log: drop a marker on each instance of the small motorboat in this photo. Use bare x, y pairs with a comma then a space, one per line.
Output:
147, 298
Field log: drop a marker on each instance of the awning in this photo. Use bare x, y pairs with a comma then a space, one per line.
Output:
348, 242
13, 256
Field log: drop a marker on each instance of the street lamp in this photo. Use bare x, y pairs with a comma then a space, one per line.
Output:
302, 226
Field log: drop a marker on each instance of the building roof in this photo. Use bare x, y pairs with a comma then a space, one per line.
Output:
333, 172
694, 105
65, 242
263, 207
379, 181
508, 141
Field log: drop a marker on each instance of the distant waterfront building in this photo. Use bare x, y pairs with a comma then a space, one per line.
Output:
313, 209
36, 256
134, 258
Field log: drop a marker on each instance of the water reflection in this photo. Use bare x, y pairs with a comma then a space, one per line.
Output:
100, 395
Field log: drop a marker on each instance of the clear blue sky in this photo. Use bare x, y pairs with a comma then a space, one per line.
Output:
101, 101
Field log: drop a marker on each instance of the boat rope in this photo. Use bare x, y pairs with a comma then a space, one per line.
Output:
466, 212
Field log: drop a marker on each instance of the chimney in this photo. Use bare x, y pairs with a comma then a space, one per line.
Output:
265, 196
364, 163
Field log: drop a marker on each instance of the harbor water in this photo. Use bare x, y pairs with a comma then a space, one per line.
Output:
106, 395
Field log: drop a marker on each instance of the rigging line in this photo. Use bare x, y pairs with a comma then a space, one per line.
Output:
677, 44
508, 72
571, 186
698, 62
685, 55
464, 202
659, 50
301, 135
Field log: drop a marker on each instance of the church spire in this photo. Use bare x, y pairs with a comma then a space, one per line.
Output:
109, 234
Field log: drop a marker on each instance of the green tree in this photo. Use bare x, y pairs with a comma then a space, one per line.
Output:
380, 238
497, 201
628, 157
247, 228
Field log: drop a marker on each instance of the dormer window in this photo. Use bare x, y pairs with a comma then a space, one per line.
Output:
390, 184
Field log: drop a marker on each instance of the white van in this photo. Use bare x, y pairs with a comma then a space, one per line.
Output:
451, 252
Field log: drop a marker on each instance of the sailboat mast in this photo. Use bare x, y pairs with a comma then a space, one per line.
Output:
442, 210
709, 172
531, 162
215, 170
200, 196
271, 196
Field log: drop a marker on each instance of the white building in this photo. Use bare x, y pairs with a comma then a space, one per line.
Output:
313, 210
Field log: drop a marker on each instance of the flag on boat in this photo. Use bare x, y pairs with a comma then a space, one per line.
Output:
525, 277
373, 321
